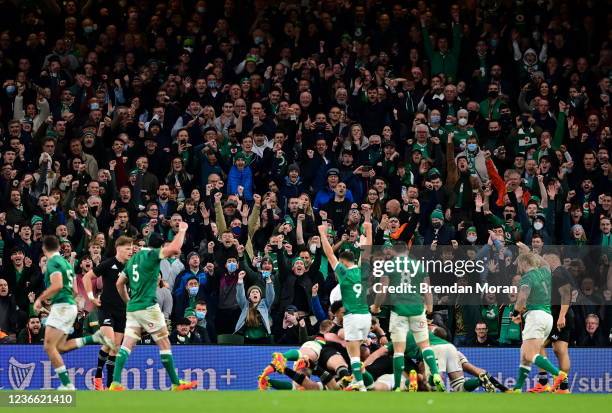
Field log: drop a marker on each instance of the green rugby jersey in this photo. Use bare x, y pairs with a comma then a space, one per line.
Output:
409, 303
351, 287
142, 272
57, 263
539, 280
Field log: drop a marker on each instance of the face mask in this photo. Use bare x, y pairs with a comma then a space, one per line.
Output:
193, 291
508, 216
88, 29
493, 94
94, 106
200, 315
10, 89
313, 249
462, 121
212, 84
258, 40
472, 147
201, 9
436, 225
232, 266
236, 230
538, 225
435, 119
493, 43
266, 274
471, 238
375, 147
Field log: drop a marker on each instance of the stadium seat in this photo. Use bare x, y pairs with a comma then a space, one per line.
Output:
230, 339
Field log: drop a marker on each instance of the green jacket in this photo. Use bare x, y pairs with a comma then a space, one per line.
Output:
443, 63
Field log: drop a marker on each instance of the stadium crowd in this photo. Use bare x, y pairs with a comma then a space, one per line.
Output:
473, 124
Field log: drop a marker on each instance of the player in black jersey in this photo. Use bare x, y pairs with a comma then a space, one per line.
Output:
563, 319
111, 308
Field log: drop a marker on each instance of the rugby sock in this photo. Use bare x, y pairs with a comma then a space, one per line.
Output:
368, 380
564, 385
522, 376
398, 368
471, 384
122, 357
325, 377
356, 368
294, 375
292, 355
168, 362
430, 359
543, 378
545, 364
269, 370
63, 375
342, 372
281, 384
497, 384
83, 341
110, 370
102, 356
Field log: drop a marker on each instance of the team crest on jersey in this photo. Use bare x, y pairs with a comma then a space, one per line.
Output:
19, 374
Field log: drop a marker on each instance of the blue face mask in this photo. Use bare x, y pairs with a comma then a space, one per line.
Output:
236, 230
10, 89
88, 29
493, 43
200, 315
232, 266
212, 84
266, 274
94, 106
258, 39
193, 291
472, 147
435, 119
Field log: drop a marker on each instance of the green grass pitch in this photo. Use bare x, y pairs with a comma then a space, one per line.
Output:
309, 402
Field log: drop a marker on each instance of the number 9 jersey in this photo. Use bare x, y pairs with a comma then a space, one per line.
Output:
142, 272
354, 295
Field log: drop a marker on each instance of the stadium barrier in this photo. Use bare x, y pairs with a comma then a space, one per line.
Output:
26, 367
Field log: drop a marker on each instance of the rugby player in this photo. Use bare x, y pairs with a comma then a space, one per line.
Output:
357, 320
563, 319
408, 314
111, 308
141, 274
59, 279
533, 305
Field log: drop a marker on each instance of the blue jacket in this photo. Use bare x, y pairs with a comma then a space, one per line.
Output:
325, 195
244, 178
263, 307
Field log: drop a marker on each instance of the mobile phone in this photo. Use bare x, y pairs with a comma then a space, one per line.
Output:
367, 168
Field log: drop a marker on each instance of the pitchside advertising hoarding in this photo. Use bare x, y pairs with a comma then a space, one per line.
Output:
237, 367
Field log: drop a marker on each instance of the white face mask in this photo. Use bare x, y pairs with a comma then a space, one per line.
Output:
462, 121
471, 238
538, 225
313, 248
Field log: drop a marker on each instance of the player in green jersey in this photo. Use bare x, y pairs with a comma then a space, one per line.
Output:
141, 274
59, 278
357, 319
408, 314
533, 306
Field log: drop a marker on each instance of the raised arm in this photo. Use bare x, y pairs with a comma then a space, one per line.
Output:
175, 246
327, 248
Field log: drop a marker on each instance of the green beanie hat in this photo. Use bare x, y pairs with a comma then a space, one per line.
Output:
437, 213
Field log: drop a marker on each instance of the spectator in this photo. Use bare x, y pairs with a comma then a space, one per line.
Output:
592, 335
482, 336
33, 333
